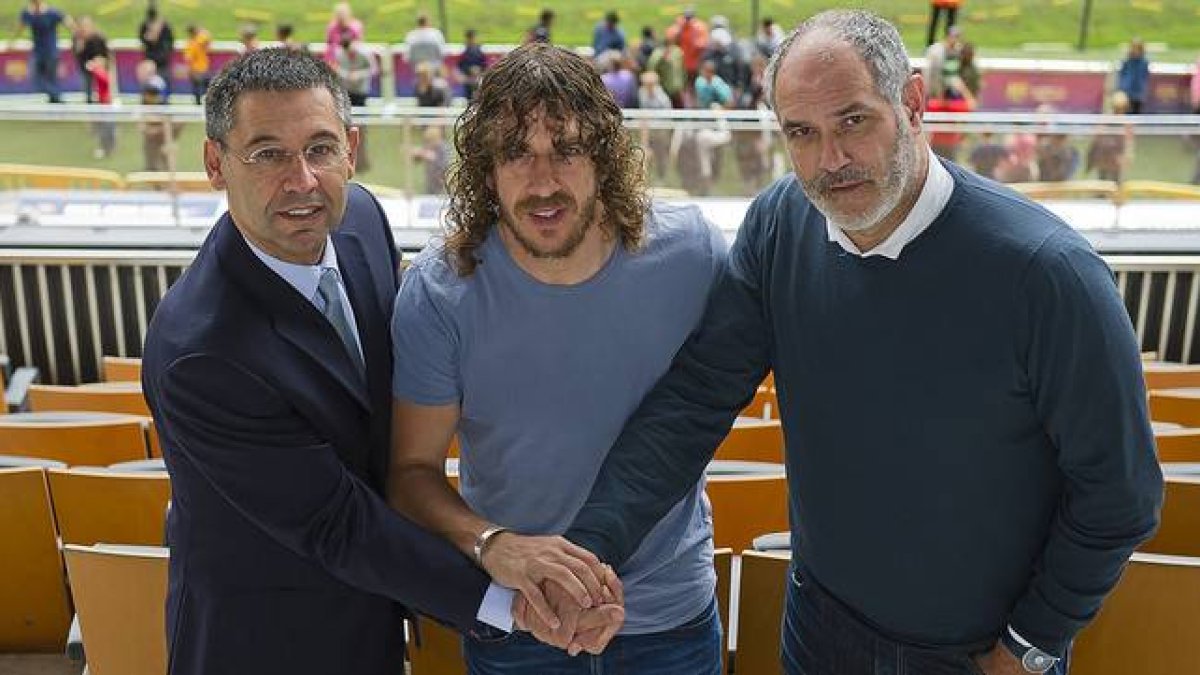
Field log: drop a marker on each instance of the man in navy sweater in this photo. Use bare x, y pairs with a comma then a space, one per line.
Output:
968, 449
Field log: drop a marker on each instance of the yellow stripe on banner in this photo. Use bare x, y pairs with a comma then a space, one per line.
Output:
528, 10
978, 16
253, 15
187, 4
316, 17
1008, 12
594, 14
913, 19
670, 10
467, 3
1147, 5
113, 7
1062, 3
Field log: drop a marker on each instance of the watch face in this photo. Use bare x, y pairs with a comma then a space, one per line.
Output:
1038, 661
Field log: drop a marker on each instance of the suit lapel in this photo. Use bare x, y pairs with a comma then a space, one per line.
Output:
294, 318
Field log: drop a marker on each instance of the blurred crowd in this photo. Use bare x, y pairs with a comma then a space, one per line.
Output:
692, 62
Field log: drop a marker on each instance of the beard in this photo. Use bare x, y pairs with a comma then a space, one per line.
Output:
584, 221
897, 176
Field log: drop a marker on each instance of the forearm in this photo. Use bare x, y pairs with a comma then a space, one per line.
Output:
425, 496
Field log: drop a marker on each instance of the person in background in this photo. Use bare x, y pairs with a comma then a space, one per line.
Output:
471, 64
646, 47
431, 89
101, 80
342, 24
1133, 77
86, 44
651, 96
158, 134
942, 64
1019, 164
691, 34
667, 61
987, 155
969, 81
43, 22
936, 9
158, 43
196, 56
434, 154
1195, 99
285, 35
619, 79
769, 35
425, 44
1110, 155
248, 38
356, 67
969, 453
608, 36
712, 91
540, 31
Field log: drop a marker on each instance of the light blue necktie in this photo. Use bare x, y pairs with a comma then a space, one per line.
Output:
335, 311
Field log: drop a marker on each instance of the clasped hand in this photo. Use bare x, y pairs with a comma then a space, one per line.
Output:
567, 597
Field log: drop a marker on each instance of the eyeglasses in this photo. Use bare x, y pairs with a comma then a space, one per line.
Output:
318, 156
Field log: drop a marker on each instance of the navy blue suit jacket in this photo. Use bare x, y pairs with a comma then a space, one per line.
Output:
285, 557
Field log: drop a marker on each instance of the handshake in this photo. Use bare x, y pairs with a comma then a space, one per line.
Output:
566, 596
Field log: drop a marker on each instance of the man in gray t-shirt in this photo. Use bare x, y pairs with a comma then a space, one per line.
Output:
534, 338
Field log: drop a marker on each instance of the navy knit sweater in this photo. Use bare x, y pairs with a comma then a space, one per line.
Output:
966, 426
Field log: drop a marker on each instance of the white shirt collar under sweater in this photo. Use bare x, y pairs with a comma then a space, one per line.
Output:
933, 198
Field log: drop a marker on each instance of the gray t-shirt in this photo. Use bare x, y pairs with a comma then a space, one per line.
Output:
546, 376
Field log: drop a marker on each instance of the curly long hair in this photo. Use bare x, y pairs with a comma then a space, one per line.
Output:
560, 87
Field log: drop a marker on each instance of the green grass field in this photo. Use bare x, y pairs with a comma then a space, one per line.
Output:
991, 24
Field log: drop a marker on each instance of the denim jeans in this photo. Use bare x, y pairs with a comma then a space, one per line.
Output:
821, 636
693, 648
45, 77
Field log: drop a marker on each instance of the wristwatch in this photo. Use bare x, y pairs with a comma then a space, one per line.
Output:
1033, 660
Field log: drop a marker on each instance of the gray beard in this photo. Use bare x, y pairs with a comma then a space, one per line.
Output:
899, 175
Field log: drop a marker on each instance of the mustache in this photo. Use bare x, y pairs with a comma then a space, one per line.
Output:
556, 200
825, 182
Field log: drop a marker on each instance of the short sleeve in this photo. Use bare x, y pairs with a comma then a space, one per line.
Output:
425, 344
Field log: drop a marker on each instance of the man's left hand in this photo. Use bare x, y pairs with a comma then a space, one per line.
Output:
1000, 661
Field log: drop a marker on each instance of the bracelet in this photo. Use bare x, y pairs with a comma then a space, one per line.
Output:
485, 538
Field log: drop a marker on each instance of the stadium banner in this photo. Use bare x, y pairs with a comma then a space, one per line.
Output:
405, 77
1025, 91
16, 72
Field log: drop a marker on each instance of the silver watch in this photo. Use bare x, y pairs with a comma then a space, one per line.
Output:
1033, 660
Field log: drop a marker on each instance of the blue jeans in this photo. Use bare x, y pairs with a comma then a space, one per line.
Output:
45, 77
693, 648
821, 636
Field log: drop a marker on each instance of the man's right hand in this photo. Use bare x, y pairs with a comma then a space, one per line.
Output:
580, 630
524, 563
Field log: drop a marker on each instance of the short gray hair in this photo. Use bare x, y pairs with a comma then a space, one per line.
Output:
874, 39
274, 69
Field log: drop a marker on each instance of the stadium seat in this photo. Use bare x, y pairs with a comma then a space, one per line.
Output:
723, 562
16, 176
109, 506
1148, 623
1181, 406
121, 369
754, 440
116, 397
93, 439
760, 609
1179, 530
1154, 189
437, 652
1178, 445
120, 594
184, 181
34, 610
765, 405
747, 505
1167, 375
1071, 189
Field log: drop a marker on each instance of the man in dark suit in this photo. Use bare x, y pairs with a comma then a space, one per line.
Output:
267, 367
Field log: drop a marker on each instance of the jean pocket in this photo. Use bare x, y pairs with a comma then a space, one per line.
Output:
489, 636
